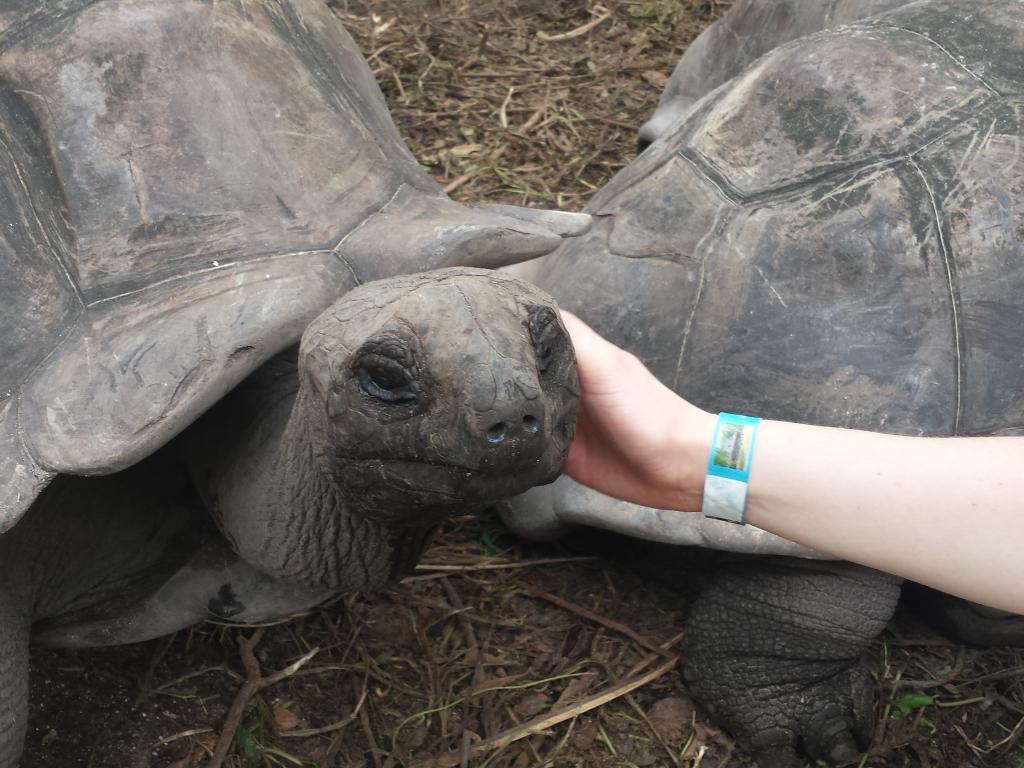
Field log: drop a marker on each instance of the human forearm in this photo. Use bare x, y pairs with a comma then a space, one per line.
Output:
947, 512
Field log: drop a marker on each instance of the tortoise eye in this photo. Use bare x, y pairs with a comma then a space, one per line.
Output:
386, 379
385, 369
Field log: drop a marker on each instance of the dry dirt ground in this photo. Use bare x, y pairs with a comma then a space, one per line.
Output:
496, 653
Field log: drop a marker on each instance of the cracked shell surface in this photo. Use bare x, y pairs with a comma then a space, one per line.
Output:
834, 236
182, 186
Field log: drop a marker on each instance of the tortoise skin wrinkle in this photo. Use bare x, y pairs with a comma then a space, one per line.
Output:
215, 173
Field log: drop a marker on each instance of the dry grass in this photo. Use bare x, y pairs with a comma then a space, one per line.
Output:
497, 653
532, 102
494, 654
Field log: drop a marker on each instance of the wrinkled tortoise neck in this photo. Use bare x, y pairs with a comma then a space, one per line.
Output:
263, 481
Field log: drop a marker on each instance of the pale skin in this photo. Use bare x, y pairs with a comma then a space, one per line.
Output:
945, 512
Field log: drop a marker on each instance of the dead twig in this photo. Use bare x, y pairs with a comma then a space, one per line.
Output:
654, 731
540, 724
468, 613
458, 181
601, 16
604, 621
444, 570
503, 111
254, 683
338, 726
472, 646
364, 721
183, 735
952, 676
1008, 740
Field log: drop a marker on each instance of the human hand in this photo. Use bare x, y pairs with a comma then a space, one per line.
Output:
635, 438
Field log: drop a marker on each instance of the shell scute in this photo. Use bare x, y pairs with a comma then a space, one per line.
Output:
829, 102
174, 178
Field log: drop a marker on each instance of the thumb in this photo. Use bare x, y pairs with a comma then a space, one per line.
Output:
599, 362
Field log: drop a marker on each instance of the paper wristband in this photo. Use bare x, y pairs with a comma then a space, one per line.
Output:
732, 450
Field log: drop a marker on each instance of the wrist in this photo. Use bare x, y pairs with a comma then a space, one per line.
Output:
693, 429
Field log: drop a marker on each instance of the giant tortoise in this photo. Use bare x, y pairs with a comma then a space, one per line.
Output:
836, 236
187, 189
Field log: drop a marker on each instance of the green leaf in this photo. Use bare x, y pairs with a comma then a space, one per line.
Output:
489, 539
247, 744
912, 701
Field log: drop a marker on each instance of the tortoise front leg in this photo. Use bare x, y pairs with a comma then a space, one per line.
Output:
773, 652
14, 634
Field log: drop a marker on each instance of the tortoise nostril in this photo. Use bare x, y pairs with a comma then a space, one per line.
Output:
529, 424
496, 433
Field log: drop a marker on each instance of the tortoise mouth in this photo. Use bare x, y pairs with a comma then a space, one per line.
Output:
414, 492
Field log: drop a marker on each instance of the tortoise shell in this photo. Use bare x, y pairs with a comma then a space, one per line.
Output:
835, 236
183, 187
747, 32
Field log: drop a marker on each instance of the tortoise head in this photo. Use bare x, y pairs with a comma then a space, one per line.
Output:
439, 392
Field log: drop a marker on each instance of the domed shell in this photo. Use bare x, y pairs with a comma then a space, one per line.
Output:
749, 30
834, 237
183, 187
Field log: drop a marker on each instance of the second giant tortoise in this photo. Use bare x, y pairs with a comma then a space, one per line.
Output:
833, 236
186, 189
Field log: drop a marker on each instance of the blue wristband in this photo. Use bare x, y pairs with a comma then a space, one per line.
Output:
732, 451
